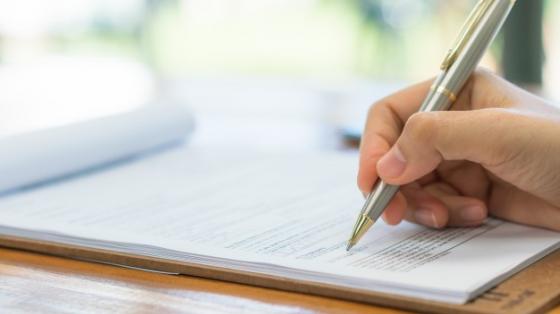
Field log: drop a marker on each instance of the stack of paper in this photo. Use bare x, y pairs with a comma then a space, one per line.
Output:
286, 216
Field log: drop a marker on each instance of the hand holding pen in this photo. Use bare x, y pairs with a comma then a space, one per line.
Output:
479, 30
495, 153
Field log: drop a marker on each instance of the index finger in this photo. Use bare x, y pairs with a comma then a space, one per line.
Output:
384, 124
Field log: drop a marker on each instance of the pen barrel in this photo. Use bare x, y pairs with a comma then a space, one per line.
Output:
378, 199
436, 100
448, 84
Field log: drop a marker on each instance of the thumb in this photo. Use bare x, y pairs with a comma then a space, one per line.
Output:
428, 138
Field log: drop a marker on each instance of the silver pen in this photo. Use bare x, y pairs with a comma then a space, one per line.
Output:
479, 30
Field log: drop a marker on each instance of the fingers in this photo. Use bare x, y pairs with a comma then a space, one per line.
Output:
383, 126
396, 210
463, 211
423, 208
387, 117
416, 206
483, 136
436, 205
468, 178
496, 127
372, 149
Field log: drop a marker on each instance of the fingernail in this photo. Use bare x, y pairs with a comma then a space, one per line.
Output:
392, 164
426, 217
473, 213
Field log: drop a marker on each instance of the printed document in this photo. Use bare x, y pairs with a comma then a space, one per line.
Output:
287, 215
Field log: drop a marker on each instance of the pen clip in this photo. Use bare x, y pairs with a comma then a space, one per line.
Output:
466, 32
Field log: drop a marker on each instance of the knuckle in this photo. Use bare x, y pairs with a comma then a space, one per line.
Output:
422, 126
376, 109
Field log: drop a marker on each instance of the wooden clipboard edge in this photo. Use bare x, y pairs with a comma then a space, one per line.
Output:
276, 282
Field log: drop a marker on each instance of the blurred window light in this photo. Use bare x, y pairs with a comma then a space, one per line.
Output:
321, 39
402, 14
28, 18
311, 38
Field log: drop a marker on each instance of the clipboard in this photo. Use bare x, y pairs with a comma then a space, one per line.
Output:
534, 289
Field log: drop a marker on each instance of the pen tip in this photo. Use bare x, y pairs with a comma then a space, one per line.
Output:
362, 225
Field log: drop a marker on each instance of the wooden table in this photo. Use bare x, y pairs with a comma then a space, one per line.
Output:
33, 283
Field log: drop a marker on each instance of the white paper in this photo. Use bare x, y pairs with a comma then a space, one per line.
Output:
287, 215
29, 158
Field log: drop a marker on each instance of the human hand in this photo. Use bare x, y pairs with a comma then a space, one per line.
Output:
497, 152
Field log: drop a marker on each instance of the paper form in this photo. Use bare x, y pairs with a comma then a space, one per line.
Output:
288, 215
29, 158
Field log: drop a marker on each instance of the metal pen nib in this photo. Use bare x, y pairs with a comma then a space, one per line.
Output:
376, 202
362, 225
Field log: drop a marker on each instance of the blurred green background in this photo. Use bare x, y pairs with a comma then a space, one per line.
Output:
332, 40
